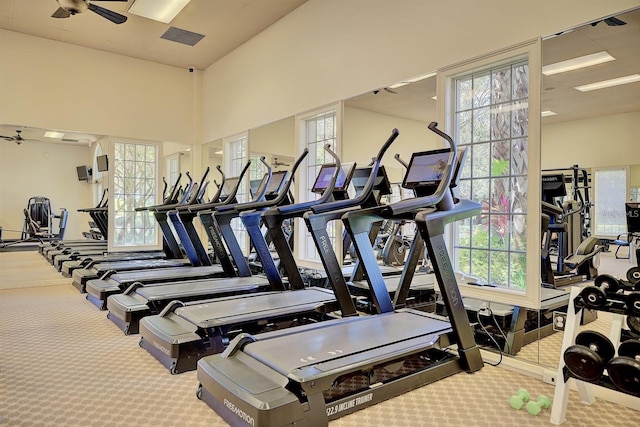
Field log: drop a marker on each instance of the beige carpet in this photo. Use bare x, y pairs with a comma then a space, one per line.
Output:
63, 363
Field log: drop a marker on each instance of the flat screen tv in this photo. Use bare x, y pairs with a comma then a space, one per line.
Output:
84, 173
103, 163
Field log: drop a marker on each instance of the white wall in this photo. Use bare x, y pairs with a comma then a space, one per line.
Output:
595, 142
61, 86
327, 50
43, 170
364, 132
277, 138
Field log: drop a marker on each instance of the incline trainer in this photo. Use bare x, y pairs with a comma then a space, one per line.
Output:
310, 374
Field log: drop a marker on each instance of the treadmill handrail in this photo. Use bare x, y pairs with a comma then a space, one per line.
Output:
230, 197
305, 206
414, 203
283, 193
261, 197
196, 193
360, 198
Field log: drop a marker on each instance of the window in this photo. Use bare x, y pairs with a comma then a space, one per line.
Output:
610, 217
491, 112
315, 131
173, 168
235, 159
492, 106
134, 185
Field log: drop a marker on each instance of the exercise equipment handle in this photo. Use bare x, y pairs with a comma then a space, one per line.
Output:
412, 204
368, 187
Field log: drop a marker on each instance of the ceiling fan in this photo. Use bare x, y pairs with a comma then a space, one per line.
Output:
277, 163
17, 138
72, 7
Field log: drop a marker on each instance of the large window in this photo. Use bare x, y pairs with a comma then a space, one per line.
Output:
315, 131
491, 112
236, 155
134, 185
610, 217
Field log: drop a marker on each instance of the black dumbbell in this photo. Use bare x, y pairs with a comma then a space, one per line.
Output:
632, 302
588, 357
596, 296
633, 276
633, 322
624, 370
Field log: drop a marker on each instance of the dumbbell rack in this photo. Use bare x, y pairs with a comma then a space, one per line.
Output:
563, 380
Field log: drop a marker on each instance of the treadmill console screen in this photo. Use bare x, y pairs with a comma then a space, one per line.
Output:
382, 183
277, 178
426, 169
326, 173
228, 186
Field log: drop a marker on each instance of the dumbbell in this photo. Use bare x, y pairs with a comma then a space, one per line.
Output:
588, 357
633, 276
632, 302
518, 400
596, 296
624, 370
534, 407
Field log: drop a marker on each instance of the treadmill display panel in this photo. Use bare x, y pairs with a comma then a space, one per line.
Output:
277, 178
326, 173
426, 169
382, 183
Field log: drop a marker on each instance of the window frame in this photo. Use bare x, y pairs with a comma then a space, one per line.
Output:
302, 184
532, 52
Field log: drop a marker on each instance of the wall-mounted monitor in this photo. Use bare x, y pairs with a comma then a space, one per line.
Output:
84, 173
103, 163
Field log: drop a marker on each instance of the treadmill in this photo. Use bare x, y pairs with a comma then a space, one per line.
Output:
183, 333
308, 375
104, 270
86, 259
126, 309
99, 290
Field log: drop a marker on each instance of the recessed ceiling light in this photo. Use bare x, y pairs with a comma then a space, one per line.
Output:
53, 134
609, 83
548, 113
218, 152
158, 10
576, 63
435, 98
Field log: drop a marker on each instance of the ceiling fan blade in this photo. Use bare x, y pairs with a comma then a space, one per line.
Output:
60, 13
114, 17
7, 138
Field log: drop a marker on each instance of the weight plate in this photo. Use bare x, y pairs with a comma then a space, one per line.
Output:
633, 303
583, 363
607, 283
633, 322
633, 275
624, 373
593, 297
598, 343
631, 349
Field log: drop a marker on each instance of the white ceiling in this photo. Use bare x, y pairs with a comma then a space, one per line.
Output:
622, 42
227, 24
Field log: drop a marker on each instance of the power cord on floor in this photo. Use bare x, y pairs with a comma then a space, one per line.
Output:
489, 312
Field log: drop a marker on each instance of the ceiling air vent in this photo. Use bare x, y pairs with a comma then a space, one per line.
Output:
179, 35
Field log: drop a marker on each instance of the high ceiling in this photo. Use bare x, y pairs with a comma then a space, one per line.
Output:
226, 24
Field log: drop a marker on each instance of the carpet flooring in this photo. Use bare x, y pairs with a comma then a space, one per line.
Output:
63, 363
